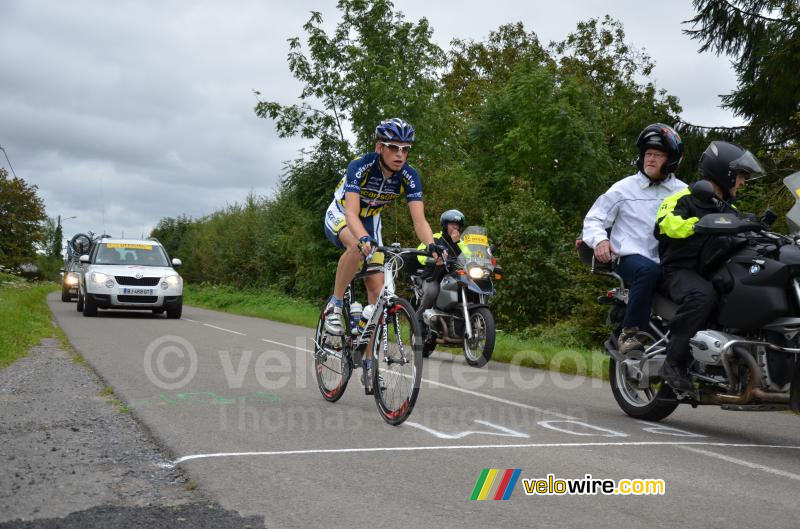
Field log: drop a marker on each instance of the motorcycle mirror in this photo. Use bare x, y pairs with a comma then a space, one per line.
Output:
769, 217
703, 190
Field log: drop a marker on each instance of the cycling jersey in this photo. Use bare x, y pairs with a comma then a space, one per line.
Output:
364, 176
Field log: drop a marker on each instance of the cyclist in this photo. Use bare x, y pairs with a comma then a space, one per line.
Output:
353, 219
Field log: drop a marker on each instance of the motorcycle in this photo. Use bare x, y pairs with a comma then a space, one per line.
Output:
748, 359
460, 314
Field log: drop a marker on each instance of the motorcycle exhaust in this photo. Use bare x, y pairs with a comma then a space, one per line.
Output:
749, 392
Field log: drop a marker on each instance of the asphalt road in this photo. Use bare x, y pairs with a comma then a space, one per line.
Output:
249, 424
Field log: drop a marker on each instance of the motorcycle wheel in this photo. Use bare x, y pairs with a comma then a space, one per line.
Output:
652, 404
479, 349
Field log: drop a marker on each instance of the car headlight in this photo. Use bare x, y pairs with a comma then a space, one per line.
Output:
99, 278
476, 272
171, 282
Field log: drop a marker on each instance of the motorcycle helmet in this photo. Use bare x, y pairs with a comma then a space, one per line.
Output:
721, 162
665, 139
395, 129
452, 215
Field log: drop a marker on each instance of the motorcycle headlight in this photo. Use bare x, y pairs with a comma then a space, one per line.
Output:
100, 278
71, 280
476, 272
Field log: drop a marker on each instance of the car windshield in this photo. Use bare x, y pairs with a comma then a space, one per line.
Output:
123, 253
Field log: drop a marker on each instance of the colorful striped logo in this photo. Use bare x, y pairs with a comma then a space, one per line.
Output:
495, 484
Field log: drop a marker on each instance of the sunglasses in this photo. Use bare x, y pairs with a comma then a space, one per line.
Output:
393, 147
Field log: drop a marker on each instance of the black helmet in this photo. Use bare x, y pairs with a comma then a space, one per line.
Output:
722, 161
452, 215
395, 129
665, 139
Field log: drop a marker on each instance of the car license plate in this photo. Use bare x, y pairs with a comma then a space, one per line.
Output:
138, 291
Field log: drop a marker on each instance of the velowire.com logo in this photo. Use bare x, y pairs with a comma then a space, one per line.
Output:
495, 484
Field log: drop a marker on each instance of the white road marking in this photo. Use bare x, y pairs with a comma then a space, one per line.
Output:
682, 444
503, 431
187, 319
287, 345
224, 329
743, 463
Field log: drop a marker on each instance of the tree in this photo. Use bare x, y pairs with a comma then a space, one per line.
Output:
52, 238
763, 39
375, 65
21, 217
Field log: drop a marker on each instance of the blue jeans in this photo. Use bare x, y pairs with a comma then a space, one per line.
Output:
641, 276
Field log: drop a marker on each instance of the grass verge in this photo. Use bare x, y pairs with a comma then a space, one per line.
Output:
541, 353
24, 317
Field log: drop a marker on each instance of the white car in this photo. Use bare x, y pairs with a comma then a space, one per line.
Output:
130, 274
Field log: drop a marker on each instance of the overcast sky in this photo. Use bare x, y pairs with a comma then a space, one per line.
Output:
126, 112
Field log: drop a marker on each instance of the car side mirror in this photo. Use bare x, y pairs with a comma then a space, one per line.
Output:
703, 190
176, 263
84, 259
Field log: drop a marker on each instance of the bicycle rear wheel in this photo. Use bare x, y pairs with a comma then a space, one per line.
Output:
397, 354
331, 363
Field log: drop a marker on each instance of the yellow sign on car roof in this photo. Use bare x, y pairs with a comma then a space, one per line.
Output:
129, 246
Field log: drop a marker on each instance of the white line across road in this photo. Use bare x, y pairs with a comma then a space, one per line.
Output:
743, 463
683, 444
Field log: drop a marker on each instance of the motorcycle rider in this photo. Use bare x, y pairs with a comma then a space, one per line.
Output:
449, 241
727, 166
353, 220
628, 209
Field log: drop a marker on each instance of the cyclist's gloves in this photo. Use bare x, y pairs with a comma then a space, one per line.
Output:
364, 240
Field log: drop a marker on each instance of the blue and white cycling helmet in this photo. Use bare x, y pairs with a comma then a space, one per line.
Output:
395, 129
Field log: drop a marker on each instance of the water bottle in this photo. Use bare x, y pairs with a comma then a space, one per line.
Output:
355, 316
366, 314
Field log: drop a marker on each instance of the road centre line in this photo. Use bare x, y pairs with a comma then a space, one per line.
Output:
467, 391
224, 329
187, 319
743, 463
287, 345
682, 444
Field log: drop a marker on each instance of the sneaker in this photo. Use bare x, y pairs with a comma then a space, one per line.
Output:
676, 376
333, 320
629, 341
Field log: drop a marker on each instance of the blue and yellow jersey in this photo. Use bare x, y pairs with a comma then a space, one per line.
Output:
364, 177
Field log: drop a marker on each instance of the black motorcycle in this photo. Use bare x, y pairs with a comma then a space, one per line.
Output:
748, 359
460, 315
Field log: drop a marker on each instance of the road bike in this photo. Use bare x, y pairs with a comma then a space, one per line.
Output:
396, 347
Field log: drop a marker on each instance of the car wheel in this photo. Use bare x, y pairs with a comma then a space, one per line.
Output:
175, 312
89, 306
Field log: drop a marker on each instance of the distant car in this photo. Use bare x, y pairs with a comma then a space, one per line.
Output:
131, 274
70, 281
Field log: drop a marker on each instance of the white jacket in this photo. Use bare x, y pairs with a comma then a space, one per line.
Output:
629, 208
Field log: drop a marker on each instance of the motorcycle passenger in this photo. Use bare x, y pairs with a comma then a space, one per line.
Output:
353, 219
449, 241
727, 166
628, 209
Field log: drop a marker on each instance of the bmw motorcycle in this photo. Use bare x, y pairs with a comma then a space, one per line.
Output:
460, 314
748, 359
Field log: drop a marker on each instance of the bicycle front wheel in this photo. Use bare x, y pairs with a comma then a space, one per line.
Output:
331, 363
397, 357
